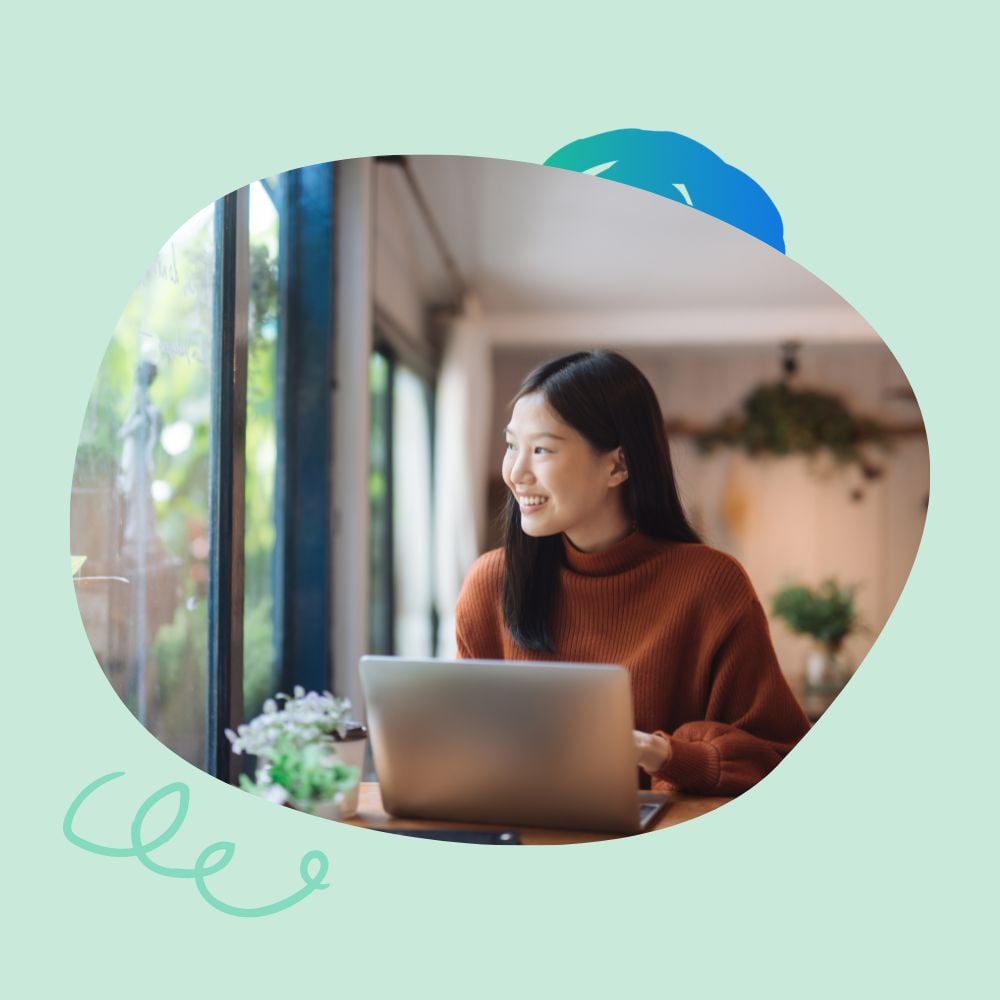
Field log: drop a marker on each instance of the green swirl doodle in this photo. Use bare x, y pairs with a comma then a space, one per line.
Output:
313, 867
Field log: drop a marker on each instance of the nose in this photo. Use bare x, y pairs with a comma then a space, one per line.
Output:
520, 471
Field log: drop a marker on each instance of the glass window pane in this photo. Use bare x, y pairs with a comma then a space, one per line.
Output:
260, 662
140, 501
379, 576
412, 542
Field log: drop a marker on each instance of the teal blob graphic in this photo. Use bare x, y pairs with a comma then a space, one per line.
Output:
312, 869
678, 168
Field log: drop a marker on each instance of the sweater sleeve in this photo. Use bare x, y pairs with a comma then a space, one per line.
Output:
477, 611
752, 718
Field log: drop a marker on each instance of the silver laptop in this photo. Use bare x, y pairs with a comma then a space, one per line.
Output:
506, 742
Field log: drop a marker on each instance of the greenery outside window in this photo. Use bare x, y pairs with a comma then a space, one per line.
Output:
187, 511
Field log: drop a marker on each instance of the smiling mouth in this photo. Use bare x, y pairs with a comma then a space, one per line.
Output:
529, 505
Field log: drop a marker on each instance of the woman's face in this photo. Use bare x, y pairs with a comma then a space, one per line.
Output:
561, 483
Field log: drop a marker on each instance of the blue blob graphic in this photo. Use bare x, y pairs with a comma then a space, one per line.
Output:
678, 168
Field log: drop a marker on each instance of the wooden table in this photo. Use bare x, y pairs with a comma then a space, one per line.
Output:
371, 814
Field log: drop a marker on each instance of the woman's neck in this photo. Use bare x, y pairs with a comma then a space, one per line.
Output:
603, 537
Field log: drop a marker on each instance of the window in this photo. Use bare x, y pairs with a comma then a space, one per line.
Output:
413, 612
261, 677
380, 577
140, 500
201, 487
402, 614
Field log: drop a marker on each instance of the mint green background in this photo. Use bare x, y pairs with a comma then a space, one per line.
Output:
862, 864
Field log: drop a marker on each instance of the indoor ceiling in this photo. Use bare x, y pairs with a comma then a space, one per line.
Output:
529, 238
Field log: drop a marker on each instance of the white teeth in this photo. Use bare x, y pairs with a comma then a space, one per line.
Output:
531, 501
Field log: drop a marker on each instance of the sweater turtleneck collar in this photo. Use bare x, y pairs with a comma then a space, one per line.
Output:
633, 549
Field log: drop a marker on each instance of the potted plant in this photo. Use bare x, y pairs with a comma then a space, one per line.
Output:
828, 614
309, 753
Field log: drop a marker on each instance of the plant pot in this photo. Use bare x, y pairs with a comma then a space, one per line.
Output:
826, 672
339, 807
350, 750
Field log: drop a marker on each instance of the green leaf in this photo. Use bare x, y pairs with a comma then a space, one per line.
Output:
827, 613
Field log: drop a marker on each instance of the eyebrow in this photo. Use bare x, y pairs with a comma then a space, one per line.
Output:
534, 437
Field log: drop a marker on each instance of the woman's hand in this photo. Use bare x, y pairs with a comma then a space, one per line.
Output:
651, 751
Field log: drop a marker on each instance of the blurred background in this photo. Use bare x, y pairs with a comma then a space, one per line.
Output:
291, 455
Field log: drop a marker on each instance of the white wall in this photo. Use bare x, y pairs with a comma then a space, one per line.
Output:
784, 519
573, 329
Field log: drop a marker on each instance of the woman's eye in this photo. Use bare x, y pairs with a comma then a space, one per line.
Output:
537, 450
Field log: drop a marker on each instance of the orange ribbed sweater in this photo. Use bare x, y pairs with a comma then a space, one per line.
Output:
684, 620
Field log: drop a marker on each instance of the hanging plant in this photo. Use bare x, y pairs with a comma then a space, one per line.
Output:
776, 419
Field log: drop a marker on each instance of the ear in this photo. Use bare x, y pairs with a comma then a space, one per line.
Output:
619, 471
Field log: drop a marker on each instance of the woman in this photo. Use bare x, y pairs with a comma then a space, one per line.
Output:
599, 564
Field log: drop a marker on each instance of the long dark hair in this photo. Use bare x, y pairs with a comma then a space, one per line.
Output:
607, 400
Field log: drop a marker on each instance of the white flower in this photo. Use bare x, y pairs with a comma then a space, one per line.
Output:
274, 793
305, 718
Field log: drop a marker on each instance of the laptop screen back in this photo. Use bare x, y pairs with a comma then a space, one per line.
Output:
507, 742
